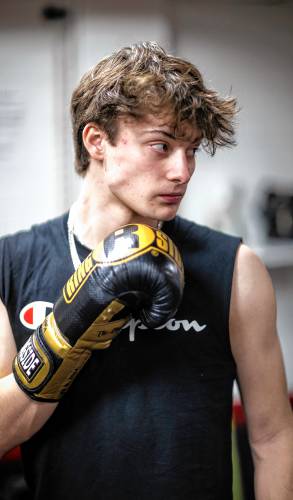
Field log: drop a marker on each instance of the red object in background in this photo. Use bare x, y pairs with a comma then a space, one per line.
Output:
238, 414
13, 454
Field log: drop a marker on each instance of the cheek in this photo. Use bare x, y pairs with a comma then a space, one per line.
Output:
121, 180
131, 173
192, 170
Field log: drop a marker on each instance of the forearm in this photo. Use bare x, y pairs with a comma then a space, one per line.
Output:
20, 416
273, 462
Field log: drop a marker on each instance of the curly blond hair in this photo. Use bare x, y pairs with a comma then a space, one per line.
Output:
143, 79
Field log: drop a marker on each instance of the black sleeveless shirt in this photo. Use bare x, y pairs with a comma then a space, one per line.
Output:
150, 417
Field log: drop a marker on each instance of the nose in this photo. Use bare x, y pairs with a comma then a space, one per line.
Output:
181, 167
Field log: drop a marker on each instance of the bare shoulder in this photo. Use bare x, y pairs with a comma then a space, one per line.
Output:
8, 347
253, 297
253, 331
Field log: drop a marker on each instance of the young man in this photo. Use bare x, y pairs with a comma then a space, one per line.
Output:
149, 416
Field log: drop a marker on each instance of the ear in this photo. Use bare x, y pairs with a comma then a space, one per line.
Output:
94, 138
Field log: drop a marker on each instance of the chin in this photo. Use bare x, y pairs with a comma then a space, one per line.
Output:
157, 215
168, 215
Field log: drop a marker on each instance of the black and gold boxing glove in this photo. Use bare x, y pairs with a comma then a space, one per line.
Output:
137, 270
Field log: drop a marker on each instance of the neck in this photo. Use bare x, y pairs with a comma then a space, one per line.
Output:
95, 215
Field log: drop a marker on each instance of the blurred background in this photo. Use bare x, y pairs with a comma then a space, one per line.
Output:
243, 48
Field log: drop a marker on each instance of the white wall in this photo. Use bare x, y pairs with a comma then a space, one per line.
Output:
248, 51
30, 104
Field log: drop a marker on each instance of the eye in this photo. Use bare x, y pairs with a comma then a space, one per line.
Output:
161, 147
192, 152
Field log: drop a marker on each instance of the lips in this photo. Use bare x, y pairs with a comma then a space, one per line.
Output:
172, 198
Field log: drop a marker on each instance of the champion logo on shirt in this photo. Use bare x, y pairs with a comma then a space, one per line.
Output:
34, 313
172, 325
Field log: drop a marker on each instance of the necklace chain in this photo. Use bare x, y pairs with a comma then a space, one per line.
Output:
71, 241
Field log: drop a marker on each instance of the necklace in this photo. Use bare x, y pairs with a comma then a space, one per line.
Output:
71, 241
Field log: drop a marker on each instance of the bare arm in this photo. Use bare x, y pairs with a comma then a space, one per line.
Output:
20, 417
260, 368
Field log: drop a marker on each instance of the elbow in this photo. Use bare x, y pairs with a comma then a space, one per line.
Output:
270, 442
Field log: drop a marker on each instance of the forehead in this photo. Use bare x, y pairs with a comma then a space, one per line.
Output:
164, 123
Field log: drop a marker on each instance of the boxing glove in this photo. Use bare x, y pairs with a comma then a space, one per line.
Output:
136, 271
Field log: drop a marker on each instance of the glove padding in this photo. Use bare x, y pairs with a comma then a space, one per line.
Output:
137, 270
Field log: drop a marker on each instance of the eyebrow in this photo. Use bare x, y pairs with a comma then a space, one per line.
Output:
170, 135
